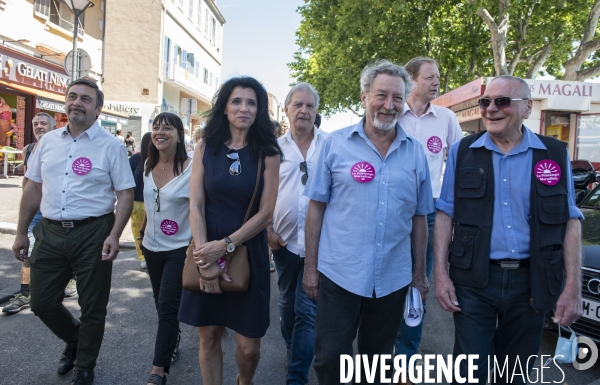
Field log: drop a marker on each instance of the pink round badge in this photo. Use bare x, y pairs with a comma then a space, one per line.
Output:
434, 144
82, 166
548, 172
362, 172
169, 227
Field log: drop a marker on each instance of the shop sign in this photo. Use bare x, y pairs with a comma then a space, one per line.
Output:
49, 105
461, 94
468, 114
112, 119
543, 89
20, 71
122, 108
464, 105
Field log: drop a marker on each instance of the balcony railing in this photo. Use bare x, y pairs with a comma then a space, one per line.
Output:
186, 78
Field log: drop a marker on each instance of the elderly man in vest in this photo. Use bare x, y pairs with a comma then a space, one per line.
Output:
508, 226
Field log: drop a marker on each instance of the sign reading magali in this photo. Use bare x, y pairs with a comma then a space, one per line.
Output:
14, 69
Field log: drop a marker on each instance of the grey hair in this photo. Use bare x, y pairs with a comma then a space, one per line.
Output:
383, 66
522, 83
302, 86
49, 117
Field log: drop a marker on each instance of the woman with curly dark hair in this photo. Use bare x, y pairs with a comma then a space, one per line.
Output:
238, 137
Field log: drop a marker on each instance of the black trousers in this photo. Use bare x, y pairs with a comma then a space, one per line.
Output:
165, 269
58, 253
340, 314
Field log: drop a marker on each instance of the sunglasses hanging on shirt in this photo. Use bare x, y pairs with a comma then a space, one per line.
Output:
236, 167
156, 200
304, 169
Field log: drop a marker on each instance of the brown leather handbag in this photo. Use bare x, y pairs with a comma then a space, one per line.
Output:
236, 263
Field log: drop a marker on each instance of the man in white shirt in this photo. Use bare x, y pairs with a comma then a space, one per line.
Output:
301, 145
74, 175
436, 128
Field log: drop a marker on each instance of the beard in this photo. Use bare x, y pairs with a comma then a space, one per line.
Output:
384, 126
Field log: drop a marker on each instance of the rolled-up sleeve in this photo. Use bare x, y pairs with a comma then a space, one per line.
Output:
445, 202
318, 186
425, 198
120, 172
34, 165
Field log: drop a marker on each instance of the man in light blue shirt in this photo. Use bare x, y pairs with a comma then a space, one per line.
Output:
369, 197
508, 228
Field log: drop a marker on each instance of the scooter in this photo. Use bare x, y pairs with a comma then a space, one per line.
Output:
584, 175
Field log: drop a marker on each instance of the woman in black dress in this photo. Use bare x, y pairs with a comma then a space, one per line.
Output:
223, 178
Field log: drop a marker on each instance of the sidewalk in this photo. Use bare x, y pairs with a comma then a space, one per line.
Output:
10, 196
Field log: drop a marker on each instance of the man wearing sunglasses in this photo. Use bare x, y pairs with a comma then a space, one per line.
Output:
300, 145
436, 128
508, 225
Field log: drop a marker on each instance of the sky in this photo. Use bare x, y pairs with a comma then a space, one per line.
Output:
259, 40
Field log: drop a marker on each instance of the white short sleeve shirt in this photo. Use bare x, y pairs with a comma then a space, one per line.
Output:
80, 175
437, 129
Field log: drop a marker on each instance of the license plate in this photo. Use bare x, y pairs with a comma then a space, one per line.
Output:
591, 309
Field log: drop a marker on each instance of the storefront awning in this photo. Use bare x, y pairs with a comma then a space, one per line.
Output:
54, 102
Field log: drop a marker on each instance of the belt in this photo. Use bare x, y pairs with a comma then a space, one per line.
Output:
77, 223
510, 263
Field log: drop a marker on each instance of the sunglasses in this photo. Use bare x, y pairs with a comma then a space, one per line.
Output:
304, 169
236, 167
500, 102
156, 200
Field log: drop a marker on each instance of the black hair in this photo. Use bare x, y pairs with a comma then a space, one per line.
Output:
318, 120
260, 136
89, 83
144, 147
180, 153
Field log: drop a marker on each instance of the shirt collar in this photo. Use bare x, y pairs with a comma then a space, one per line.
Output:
360, 130
90, 132
529, 140
430, 110
316, 134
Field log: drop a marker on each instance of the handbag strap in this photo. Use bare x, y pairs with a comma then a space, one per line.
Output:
255, 187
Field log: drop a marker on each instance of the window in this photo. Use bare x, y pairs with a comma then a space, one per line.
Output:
206, 22
216, 83
191, 10
210, 82
213, 27
197, 70
199, 10
183, 59
167, 50
190, 61
181, 3
205, 76
42, 8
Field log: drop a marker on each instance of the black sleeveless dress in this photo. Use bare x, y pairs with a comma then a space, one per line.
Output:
227, 199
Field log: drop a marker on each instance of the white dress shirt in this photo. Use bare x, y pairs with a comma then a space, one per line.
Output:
169, 228
80, 175
437, 129
290, 209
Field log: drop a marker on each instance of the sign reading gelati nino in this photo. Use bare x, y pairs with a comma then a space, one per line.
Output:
19, 69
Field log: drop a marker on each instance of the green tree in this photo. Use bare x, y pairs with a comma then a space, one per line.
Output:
337, 38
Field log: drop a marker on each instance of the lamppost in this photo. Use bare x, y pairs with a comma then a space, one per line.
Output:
77, 7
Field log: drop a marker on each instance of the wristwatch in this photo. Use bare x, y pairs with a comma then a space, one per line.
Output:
230, 245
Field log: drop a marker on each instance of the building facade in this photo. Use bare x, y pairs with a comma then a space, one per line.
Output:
35, 37
162, 56
566, 110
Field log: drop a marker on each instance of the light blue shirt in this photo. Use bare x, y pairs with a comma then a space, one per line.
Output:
512, 176
365, 237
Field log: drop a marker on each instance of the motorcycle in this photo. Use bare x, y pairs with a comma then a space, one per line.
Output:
584, 176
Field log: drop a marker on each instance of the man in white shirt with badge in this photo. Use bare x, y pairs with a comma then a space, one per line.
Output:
436, 128
301, 145
74, 176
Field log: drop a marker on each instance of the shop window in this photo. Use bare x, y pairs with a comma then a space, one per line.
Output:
588, 138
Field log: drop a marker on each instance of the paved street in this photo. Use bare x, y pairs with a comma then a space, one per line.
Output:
29, 352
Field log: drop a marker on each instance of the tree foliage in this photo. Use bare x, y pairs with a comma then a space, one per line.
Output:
337, 38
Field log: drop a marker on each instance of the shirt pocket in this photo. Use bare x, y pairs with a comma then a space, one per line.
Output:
553, 205
472, 180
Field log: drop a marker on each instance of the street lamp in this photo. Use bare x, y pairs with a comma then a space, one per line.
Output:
77, 7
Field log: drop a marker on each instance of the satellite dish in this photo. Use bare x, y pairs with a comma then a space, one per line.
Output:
85, 63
